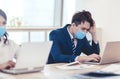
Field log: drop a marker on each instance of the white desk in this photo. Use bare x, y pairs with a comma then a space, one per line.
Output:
51, 72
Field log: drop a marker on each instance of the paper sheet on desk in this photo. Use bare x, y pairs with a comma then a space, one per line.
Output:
114, 68
73, 67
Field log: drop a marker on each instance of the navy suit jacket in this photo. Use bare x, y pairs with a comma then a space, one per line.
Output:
61, 50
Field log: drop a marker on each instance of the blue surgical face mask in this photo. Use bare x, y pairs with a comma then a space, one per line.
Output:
80, 34
2, 31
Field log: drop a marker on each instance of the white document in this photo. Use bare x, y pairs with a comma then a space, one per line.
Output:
74, 65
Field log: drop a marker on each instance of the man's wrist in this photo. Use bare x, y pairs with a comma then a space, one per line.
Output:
94, 38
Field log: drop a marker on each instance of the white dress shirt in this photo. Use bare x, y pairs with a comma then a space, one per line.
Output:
7, 51
71, 36
75, 41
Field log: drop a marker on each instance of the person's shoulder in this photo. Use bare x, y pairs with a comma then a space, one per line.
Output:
56, 31
11, 42
60, 30
56, 34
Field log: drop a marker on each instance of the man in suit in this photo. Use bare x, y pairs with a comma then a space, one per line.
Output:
70, 41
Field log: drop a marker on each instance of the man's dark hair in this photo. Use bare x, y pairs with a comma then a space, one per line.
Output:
82, 17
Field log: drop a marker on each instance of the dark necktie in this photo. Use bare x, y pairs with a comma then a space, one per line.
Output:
73, 46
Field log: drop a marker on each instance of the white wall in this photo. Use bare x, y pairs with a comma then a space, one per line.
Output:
68, 11
106, 14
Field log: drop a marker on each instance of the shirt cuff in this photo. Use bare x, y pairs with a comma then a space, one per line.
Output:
95, 42
76, 58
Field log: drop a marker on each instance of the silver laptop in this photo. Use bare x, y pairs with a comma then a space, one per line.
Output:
111, 53
32, 57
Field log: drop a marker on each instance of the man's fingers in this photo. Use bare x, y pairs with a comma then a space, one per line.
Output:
96, 56
94, 60
10, 64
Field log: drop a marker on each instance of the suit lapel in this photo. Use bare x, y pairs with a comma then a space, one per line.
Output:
67, 36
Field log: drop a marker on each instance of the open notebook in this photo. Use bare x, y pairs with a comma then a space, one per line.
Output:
32, 57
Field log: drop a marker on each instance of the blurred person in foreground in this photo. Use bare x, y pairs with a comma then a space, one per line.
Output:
8, 48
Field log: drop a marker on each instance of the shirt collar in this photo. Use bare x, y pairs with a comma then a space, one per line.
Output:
71, 36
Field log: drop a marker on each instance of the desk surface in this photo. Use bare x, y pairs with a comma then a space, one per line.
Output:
50, 72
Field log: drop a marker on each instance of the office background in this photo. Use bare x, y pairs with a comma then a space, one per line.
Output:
57, 13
